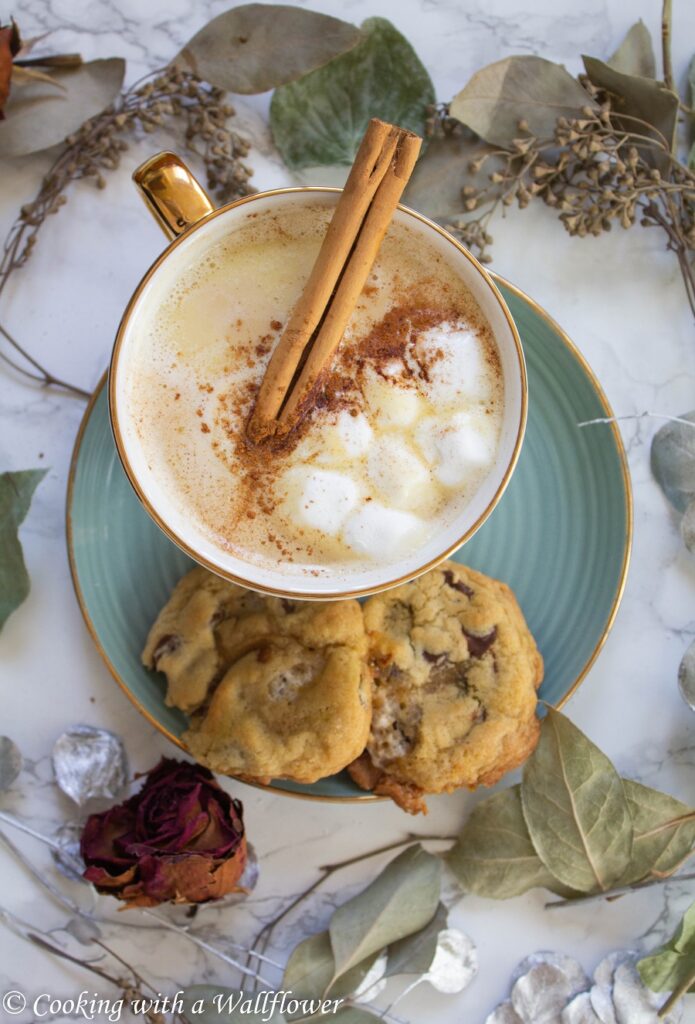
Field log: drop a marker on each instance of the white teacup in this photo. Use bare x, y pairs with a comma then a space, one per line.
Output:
188, 217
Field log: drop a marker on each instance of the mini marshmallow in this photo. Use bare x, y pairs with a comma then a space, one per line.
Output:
319, 498
459, 448
346, 439
462, 371
392, 405
380, 532
397, 472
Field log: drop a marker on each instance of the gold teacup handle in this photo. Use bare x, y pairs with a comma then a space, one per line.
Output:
174, 197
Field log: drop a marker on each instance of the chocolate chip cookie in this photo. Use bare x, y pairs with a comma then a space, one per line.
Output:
455, 677
275, 688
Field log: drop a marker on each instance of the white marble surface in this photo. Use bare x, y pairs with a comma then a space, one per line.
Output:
619, 297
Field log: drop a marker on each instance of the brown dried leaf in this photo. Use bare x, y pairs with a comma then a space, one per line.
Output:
39, 115
256, 47
524, 88
645, 107
635, 55
441, 172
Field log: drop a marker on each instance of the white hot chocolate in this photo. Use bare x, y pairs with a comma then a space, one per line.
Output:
404, 433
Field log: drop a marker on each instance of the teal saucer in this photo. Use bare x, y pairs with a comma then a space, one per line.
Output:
560, 536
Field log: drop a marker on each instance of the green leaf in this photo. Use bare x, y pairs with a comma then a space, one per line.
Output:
399, 902
686, 671
414, 954
320, 120
494, 855
672, 966
673, 461
38, 115
310, 970
645, 106
664, 832
575, 808
514, 89
16, 491
215, 1004
635, 55
256, 47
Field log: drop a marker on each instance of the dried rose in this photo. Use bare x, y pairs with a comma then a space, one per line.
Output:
180, 839
10, 45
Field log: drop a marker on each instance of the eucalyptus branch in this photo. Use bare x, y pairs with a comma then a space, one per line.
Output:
624, 890
264, 936
160, 99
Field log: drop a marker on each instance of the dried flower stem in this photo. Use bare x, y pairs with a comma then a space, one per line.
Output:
666, 17
624, 890
596, 170
162, 98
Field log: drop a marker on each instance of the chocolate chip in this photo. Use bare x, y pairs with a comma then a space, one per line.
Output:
479, 645
264, 654
167, 645
288, 606
434, 659
455, 584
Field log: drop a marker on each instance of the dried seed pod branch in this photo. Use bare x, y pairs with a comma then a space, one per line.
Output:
163, 99
596, 170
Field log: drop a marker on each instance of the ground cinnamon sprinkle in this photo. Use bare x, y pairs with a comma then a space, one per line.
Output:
389, 349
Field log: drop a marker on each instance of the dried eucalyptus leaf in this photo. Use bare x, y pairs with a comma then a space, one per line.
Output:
90, 762
311, 969
540, 995
635, 1004
494, 855
686, 676
455, 962
575, 808
39, 116
672, 964
504, 1014
399, 902
16, 492
374, 981
435, 186
673, 461
83, 930
645, 106
11, 762
635, 55
579, 1011
525, 88
571, 968
256, 47
320, 120
601, 992
664, 830
414, 954
688, 527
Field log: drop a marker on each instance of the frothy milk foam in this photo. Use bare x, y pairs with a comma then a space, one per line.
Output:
404, 435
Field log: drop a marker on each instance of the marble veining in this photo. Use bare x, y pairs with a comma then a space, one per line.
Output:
619, 297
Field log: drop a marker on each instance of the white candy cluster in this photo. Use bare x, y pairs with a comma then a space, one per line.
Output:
369, 479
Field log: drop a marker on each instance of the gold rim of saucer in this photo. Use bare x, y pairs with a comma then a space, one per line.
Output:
567, 341
279, 591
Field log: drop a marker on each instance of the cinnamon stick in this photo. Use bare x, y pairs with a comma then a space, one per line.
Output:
371, 163
383, 164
